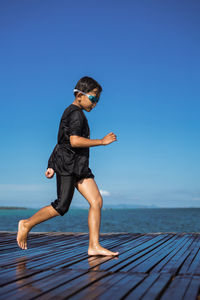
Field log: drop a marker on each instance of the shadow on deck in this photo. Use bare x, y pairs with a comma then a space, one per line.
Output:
56, 265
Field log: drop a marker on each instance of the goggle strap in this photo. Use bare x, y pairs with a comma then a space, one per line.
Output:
75, 90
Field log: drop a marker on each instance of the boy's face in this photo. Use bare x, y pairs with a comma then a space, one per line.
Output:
85, 102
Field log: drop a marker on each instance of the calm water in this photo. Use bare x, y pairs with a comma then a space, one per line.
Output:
113, 220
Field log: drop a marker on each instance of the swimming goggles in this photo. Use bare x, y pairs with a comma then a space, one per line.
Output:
93, 99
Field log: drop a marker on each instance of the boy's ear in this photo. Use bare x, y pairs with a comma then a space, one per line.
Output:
79, 95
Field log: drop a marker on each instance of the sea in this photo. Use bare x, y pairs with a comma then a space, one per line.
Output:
139, 220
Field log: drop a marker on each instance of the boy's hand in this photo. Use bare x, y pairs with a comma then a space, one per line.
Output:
109, 138
49, 173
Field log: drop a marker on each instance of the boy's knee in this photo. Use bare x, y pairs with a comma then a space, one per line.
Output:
98, 202
60, 209
63, 210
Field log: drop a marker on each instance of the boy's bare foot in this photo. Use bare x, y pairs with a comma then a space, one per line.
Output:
98, 250
22, 234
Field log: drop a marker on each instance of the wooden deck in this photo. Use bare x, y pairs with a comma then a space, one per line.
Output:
162, 266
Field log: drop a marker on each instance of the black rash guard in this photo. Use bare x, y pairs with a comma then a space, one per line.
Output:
65, 159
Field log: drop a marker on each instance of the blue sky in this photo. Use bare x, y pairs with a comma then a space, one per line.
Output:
145, 54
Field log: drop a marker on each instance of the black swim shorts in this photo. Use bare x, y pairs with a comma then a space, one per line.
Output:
65, 191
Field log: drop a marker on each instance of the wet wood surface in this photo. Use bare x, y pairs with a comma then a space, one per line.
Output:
162, 266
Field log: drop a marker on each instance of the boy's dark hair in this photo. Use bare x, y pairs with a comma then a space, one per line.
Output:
86, 84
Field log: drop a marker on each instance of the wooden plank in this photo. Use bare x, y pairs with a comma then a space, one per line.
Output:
193, 252
64, 259
37, 287
84, 263
135, 247
143, 254
10, 276
179, 257
94, 261
180, 286
157, 287
31, 255
57, 265
47, 242
150, 288
194, 267
35, 260
146, 262
43, 241
160, 267
21, 279
193, 290
113, 286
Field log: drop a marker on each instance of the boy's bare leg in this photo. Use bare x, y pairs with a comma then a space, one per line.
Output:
24, 226
89, 189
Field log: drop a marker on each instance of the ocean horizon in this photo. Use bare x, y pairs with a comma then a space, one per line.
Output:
132, 220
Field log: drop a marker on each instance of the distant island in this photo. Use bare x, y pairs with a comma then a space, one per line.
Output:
105, 207
119, 206
12, 207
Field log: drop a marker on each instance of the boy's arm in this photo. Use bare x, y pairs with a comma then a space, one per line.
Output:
50, 163
79, 141
75, 124
51, 160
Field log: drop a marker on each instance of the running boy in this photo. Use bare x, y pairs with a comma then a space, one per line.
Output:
70, 161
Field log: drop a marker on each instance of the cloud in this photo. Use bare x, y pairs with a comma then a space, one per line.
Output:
196, 198
104, 193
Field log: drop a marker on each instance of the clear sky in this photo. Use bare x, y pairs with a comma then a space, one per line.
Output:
145, 54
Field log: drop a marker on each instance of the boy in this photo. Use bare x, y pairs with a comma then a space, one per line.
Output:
70, 161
